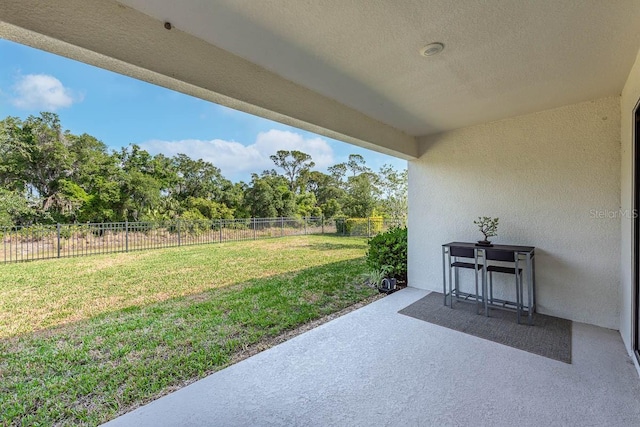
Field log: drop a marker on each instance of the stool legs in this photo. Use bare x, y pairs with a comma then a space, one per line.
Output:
491, 287
519, 292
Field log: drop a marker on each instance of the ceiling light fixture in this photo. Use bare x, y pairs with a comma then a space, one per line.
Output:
432, 49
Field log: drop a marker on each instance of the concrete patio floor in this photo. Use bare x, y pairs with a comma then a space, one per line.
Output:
374, 366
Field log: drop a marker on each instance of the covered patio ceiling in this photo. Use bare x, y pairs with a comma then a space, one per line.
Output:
351, 70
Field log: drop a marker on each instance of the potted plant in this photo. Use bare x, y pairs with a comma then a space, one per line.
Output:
379, 279
488, 227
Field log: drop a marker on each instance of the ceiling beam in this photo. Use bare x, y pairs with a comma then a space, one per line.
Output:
121, 39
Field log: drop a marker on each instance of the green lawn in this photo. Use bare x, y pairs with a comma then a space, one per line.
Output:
85, 339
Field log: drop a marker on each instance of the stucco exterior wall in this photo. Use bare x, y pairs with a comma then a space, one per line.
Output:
630, 96
553, 179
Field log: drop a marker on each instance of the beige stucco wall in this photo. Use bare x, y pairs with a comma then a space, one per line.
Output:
630, 96
553, 179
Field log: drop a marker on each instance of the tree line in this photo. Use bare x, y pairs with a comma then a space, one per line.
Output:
50, 175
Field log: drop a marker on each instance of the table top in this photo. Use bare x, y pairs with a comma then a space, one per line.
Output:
504, 248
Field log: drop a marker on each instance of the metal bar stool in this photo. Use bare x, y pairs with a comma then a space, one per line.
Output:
516, 271
457, 252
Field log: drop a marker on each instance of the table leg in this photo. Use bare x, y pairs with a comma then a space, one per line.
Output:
490, 287
444, 276
475, 276
484, 283
484, 280
450, 283
519, 296
533, 277
530, 285
456, 280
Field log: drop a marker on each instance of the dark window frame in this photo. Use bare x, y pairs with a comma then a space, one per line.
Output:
635, 326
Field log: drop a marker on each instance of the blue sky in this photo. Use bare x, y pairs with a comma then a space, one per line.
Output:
120, 111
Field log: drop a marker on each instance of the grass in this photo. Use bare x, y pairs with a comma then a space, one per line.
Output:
83, 340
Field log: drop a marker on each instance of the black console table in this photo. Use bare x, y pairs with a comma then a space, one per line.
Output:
518, 254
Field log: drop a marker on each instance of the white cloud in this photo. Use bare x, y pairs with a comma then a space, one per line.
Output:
236, 160
42, 92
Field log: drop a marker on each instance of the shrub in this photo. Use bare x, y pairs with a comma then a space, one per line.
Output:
68, 231
193, 222
389, 249
359, 226
36, 232
375, 277
244, 224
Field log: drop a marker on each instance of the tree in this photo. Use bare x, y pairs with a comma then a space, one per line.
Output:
209, 209
361, 190
306, 205
164, 170
139, 187
328, 192
38, 159
168, 209
48, 174
197, 178
394, 185
13, 153
332, 208
338, 172
49, 159
260, 198
356, 165
295, 164
233, 198
15, 209
98, 173
269, 196
142, 192
360, 200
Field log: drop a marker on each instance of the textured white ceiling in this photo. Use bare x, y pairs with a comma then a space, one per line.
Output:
502, 58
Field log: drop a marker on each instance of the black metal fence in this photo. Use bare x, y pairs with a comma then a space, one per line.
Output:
19, 244
36, 242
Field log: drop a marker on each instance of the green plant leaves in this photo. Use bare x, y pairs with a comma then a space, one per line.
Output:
388, 253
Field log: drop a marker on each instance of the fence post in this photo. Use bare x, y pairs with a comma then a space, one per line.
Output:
178, 227
220, 230
126, 235
305, 225
368, 226
58, 230
281, 226
253, 221
322, 222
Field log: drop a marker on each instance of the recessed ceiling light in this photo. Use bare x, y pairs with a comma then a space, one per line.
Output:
432, 49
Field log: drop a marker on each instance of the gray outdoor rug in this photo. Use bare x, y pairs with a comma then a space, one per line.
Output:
549, 336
